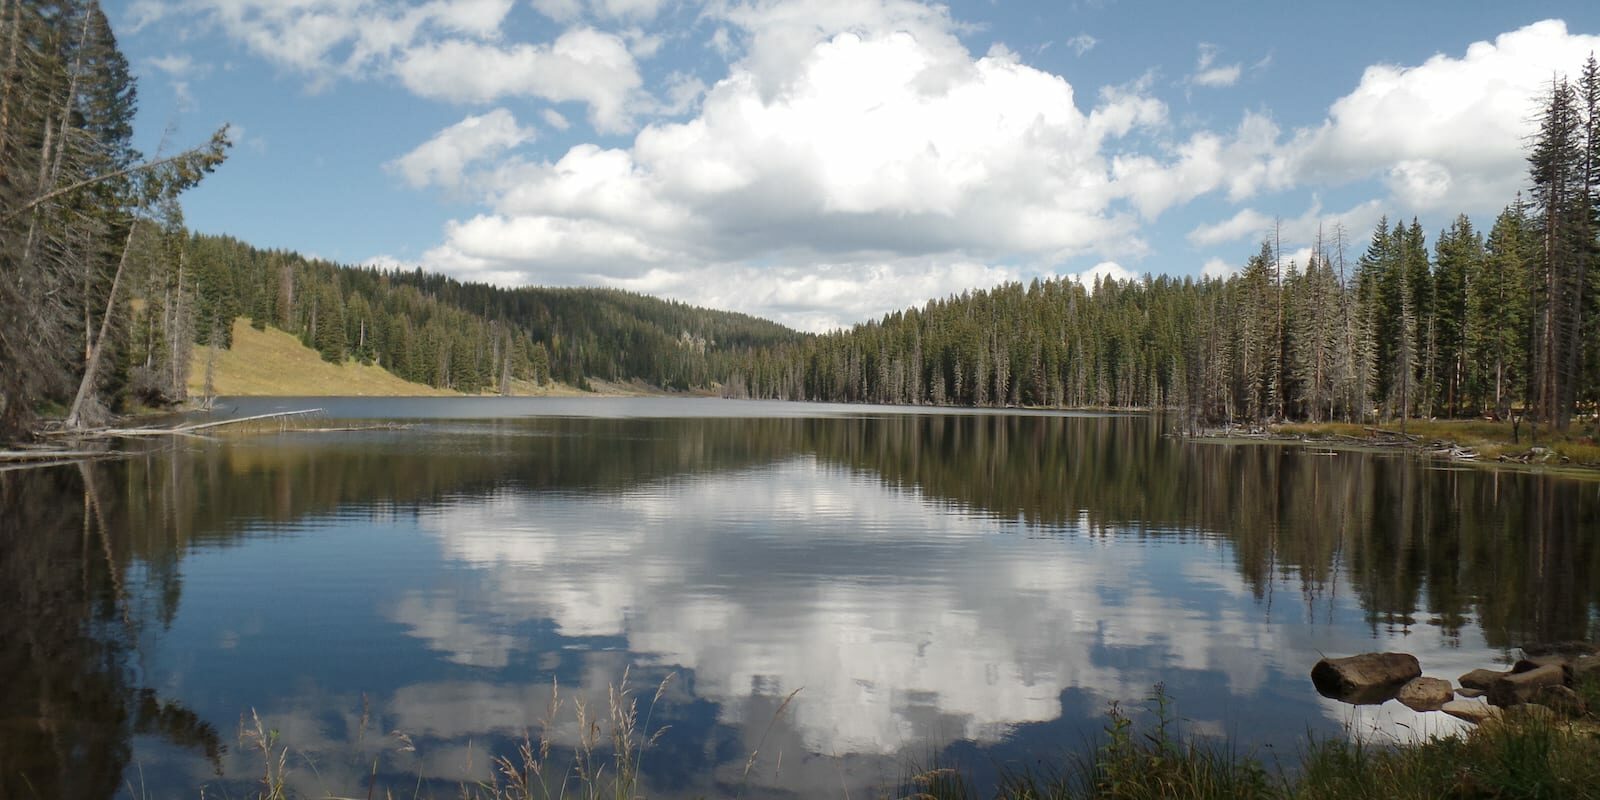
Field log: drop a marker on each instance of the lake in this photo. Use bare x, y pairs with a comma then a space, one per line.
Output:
401, 607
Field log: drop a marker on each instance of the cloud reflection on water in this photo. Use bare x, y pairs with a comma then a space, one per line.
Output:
906, 623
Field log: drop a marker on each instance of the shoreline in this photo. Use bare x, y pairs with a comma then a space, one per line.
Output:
1475, 443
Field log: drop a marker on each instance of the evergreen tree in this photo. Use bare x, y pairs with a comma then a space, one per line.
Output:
1459, 256
1557, 167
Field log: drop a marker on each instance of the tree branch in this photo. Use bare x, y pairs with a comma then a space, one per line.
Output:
137, 168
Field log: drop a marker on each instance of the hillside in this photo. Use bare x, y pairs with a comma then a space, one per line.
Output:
435, 330
272, 362
268, 363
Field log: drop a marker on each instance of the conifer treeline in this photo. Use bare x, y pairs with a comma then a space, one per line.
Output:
78, 206
1394, 331
1498, 325
469, 337
105, 292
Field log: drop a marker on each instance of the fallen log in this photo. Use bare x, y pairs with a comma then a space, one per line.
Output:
1392, 434
274, 415
49, 455
387, 426
190, 430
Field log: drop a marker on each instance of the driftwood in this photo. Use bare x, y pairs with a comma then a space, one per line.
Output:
1391, 434
1379, 437
1535, 455
384, 426
1452, 452
35, 458
193, 429
49, 455
45, 456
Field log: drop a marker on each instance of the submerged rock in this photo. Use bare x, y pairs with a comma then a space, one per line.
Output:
1481, 679
1366, 678
1520, 688
1425, 694
1470, 710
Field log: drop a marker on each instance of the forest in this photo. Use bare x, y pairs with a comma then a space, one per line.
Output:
1499, 324
106, 292
81, 213
439, 331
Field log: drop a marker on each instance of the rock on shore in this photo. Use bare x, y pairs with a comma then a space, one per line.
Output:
1366, 678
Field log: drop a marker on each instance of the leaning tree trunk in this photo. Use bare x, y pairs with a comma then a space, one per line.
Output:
97, 351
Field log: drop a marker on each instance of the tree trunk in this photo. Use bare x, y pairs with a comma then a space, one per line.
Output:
97, 353
9, 82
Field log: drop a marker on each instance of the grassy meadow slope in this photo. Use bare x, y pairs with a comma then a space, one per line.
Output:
272, 362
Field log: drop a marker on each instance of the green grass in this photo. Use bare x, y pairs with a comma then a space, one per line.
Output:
1586, 453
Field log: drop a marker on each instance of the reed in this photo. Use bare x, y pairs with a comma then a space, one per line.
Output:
1141, 754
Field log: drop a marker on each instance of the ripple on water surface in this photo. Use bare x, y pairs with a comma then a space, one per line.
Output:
976, 585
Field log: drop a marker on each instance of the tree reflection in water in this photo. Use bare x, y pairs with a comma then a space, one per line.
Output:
90, 555
78, 592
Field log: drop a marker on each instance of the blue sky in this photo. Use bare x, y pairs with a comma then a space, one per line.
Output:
822, 162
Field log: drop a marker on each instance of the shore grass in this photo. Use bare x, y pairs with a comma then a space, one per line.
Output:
1522, 755
1142, 754
1579, 444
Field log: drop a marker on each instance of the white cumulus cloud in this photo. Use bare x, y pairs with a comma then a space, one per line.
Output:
1448, 133
1209, 73
450, 50
1218, 268
884, 156
583, 64
443, 160
554, 119
859, 140
1082, 43
1102, 271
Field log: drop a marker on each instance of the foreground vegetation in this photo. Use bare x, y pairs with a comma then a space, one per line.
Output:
1521, 756
1141, 754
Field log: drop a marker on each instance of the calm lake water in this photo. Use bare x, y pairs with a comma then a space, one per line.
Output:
968, 587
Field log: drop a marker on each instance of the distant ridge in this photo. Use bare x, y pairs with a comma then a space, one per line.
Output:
445, 334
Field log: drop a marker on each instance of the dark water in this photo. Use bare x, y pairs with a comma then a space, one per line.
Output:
970, 587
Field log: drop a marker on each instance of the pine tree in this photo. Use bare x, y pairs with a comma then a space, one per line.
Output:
1497, 327
1377, 292
1459, 256
328, 328
1556, 166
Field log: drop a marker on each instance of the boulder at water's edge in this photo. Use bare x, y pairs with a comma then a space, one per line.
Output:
1425, 694
1366, 678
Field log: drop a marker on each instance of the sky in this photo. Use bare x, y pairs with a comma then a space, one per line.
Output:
824, 162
